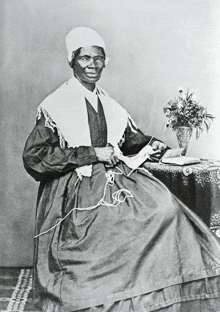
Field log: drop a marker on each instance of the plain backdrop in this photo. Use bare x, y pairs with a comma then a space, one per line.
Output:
154, 47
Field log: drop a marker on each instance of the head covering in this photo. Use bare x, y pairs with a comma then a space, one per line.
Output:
80, 37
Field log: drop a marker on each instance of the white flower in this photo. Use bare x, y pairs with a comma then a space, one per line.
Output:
180, 105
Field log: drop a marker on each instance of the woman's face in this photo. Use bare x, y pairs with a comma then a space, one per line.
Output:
88, 64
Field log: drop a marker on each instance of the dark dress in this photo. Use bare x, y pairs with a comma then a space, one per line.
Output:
146, 252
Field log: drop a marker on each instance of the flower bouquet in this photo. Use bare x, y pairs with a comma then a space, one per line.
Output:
184, 114
185, 111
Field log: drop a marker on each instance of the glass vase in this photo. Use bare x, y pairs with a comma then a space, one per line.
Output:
183, 135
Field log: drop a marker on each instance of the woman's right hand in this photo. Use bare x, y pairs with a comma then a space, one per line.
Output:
106, 155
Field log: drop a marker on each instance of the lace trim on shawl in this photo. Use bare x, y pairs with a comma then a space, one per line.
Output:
49, 123
84, 171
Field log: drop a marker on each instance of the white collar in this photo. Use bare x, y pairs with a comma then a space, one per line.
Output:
91, 96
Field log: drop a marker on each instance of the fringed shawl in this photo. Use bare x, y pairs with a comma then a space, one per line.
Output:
65, 110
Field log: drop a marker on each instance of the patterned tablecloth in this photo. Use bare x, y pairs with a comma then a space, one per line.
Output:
198, 186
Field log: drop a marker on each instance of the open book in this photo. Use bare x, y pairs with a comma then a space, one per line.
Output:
176, 157
171, 156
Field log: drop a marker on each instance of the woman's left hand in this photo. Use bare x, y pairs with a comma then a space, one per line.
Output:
157, 145
159, 148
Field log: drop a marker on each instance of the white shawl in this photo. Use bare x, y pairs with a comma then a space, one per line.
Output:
65, 110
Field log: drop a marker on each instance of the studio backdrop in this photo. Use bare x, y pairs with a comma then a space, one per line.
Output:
154, 47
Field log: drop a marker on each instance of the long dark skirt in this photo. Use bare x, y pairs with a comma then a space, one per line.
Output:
147, 253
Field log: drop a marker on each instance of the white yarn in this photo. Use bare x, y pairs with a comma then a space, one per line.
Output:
110, 176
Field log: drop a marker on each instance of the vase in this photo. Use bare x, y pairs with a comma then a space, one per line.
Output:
183, 135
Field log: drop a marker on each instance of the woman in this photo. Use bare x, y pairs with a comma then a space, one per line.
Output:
108, 237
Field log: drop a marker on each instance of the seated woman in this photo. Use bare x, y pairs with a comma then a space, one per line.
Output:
109, 238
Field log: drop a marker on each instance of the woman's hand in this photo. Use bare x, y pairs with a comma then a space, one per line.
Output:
157, 145
159, 148
106, 155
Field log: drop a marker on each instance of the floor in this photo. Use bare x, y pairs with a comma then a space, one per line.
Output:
16, 290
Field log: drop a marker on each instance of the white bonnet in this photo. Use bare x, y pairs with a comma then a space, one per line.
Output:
80, 37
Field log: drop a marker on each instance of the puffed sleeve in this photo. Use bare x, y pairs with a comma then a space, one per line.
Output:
43, 157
